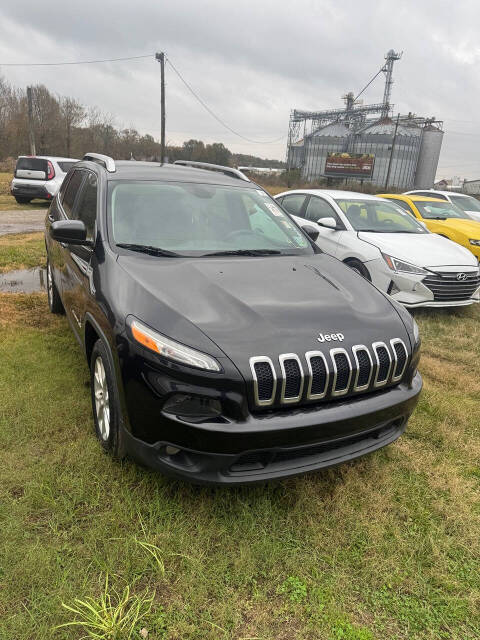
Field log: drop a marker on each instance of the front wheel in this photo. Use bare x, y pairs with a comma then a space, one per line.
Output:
54, 301
105, 405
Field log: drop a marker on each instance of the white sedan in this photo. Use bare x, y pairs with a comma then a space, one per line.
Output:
385, 244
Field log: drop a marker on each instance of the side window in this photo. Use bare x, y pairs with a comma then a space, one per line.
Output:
319, 208
71, 191
294, 203
280, 200
86, 207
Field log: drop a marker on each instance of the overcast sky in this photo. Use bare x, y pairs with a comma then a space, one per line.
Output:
252, 62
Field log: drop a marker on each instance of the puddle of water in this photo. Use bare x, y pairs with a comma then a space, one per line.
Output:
24, 281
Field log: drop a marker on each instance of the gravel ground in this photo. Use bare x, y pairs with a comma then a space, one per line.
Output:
22, 221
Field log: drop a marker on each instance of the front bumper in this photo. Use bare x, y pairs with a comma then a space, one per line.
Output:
278, 444
410, 290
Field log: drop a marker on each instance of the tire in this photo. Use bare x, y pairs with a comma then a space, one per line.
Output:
21, 200
54, 301
359, 268
105, 404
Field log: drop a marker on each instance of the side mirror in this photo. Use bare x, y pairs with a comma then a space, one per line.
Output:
329, 223
311, 232
70, 232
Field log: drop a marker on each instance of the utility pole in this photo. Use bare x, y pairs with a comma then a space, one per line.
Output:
391, 152
31, 131
161, 58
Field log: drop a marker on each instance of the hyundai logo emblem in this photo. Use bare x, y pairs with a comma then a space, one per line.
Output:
461, 276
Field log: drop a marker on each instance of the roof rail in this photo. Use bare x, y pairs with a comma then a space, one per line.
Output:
228, 171
106, 161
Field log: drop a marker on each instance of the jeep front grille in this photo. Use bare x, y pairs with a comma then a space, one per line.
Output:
336, 373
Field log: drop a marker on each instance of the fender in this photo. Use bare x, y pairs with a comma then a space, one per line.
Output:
115, 364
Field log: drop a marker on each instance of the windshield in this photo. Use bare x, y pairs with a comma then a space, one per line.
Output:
379, 217
439, 210
466, 203
194, 219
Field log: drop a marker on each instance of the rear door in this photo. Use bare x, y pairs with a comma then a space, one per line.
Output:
79, 282
66, 278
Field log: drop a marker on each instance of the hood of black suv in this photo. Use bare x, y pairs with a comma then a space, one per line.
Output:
267, 306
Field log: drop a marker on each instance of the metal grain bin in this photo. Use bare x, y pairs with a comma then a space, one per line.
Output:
428, 157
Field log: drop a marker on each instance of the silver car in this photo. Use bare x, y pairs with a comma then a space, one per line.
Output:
39, 177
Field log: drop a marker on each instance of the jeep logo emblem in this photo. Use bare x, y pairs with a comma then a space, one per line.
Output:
461, 276
329, 337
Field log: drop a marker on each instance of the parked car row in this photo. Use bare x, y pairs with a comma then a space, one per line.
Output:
224, 345
401, 243
466, 203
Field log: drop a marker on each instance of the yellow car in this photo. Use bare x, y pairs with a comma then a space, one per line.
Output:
442, 217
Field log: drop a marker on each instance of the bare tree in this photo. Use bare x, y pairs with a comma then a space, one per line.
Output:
72, 114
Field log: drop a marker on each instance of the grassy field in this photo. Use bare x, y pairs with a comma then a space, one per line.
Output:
22, 251
386, 547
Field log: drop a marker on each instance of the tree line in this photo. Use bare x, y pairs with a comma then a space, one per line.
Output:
65, 127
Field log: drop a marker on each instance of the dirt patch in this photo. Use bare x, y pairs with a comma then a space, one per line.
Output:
22, 221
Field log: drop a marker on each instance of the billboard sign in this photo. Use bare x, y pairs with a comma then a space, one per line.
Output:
345, 165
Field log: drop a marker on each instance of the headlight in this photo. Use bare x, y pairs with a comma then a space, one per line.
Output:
475, 242
172, 350
399, 265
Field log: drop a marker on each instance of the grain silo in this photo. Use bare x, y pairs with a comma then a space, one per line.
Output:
364, 142
329, 139
428, 156
395, 148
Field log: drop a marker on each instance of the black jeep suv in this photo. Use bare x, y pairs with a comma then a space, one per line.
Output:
223, 345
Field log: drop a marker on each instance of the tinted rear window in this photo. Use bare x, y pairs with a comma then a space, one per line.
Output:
65, 166
31, 164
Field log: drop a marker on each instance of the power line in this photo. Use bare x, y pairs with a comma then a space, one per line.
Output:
62, 64
217, 118
150, 55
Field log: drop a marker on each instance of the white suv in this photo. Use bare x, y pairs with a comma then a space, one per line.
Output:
468, 204
39, 177
388, 246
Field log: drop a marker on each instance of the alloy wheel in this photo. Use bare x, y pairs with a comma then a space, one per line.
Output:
102, 404
49, 284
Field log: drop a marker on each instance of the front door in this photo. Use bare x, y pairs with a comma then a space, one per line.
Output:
328, 239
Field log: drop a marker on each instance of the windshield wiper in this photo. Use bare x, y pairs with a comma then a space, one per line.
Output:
244, 252
146, 248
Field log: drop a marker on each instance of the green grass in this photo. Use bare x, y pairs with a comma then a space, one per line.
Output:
386, 547
22, 251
